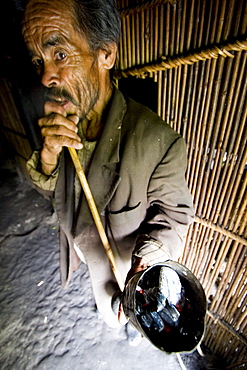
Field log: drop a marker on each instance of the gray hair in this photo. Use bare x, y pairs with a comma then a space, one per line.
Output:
98, 21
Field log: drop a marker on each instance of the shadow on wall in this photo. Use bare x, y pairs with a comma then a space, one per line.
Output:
21, 77
144, 91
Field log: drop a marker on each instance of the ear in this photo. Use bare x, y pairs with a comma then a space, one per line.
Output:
107, 56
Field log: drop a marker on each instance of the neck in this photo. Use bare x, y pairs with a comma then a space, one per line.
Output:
93, 124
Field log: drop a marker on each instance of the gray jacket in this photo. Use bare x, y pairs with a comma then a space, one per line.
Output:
137, 177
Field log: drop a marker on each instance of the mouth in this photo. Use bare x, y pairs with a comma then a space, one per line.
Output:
60, 96
60, 101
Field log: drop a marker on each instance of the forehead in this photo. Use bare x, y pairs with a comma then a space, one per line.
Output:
45, 18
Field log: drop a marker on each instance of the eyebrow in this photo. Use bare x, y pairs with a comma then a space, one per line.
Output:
53, 41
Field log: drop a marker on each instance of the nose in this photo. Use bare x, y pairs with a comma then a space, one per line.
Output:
50, 76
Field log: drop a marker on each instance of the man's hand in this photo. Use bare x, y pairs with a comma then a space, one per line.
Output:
138, 264
58, 130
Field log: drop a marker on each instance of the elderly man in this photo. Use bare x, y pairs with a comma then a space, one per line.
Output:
135, 163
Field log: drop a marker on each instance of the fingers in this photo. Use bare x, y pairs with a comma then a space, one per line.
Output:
138, 264
59, 131
121, 316
55, 143
74, 118
63, 128
53, 121
52, 107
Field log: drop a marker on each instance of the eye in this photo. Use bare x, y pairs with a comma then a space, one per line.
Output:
60, 55
37, 62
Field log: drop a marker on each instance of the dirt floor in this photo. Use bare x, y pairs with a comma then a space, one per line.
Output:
44, 327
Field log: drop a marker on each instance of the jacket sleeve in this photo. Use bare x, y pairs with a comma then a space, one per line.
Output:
44, 184
163, 232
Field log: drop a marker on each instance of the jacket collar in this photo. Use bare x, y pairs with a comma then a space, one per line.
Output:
103, 177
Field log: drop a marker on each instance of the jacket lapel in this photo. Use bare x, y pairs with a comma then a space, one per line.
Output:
103, 177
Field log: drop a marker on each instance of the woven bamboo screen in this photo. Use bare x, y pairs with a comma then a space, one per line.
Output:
11, 127
196, 52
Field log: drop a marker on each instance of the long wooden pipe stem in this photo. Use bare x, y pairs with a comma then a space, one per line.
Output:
96, 217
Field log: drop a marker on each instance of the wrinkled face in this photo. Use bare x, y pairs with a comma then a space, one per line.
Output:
61, 55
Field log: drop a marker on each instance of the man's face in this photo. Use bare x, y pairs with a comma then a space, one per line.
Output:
61, 55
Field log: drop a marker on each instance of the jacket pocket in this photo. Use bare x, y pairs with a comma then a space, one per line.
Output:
126, 220
124, 209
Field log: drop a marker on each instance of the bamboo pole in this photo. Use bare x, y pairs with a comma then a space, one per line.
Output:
237, 17
228, 343
204, 111
221, 230
193, 157
163, 76
220, 20
138, 38
217, 320
178, 74
173, 73
159, 105
161, 35
238, 212
210, 139
238, 282
234, 263
192, 98
227, 20
168, 63
213, 249
147, 36
210, 72
206, 244
191, 106
128, 41
142, 37
221, 258
142, 7
242, 319
133, 41
189, 27
217, 155
167, 29
96, 217
222, 249
169, 74
183, 70
231, 277
244, 19
223, 140
156, 17
164, 94
239, 152
152, 36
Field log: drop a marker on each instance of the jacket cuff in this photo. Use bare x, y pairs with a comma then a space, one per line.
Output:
42, 181
150, 250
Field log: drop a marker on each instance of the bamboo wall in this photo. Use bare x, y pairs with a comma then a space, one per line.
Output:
14, 141
195, 51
